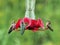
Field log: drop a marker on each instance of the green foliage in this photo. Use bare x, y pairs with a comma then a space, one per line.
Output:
15, 9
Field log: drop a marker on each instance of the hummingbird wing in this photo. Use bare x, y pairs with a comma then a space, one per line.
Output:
50, 28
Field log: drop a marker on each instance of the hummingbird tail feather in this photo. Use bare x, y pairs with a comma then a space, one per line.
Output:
50, 28
10, 30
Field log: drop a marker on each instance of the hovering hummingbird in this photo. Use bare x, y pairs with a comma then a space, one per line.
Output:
48, 26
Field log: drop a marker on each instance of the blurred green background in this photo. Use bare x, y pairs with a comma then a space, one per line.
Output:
15, 9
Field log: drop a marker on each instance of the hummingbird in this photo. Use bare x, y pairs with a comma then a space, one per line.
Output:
12, 27
48, 26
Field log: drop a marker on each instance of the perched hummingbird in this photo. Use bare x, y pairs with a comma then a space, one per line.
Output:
48, 26
12, 27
